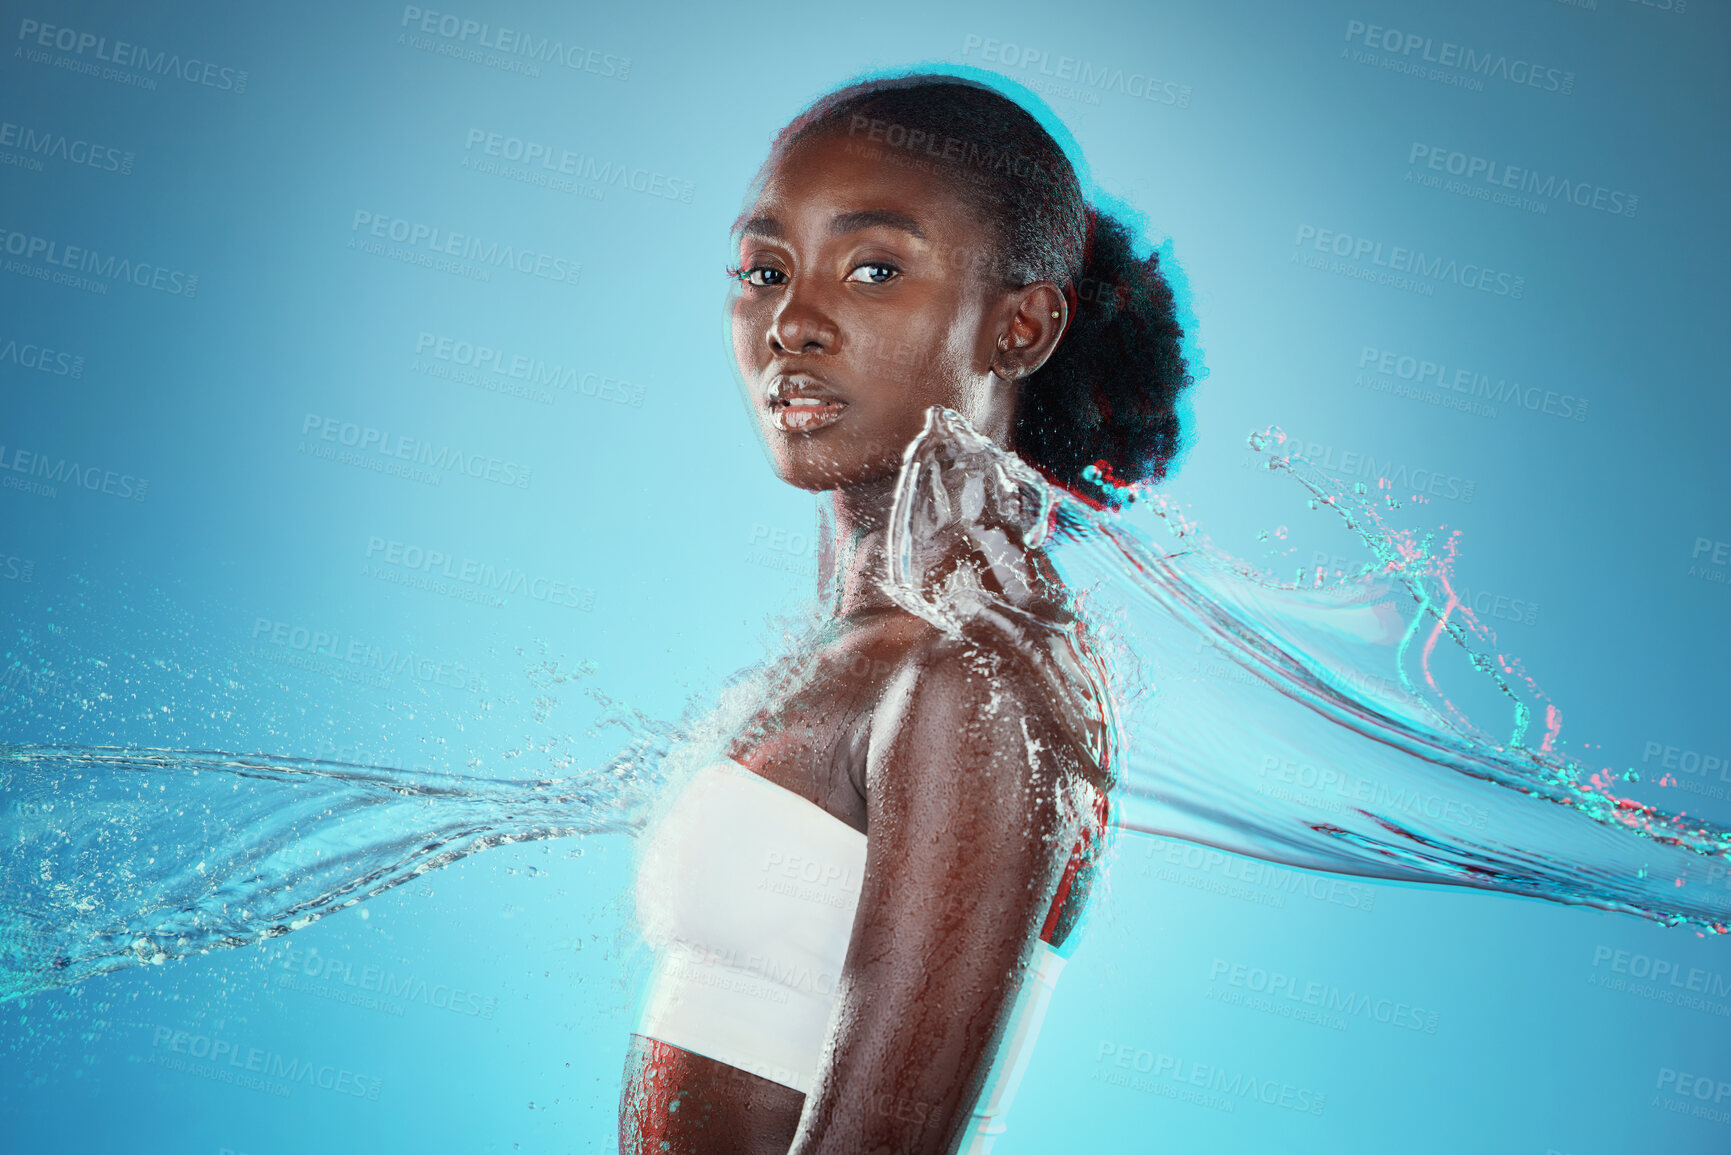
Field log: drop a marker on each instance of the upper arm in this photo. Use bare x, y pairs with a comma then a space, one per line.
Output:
976, 795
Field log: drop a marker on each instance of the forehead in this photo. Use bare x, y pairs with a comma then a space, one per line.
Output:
828, 174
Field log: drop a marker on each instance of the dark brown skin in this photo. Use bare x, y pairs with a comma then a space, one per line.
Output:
921, 742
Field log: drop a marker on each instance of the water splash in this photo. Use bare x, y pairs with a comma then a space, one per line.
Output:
122, 856
1331, 722
1314, 722
1319, 722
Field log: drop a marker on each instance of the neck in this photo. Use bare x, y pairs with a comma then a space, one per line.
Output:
855, 526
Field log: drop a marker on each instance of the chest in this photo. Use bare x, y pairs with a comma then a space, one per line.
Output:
812, 733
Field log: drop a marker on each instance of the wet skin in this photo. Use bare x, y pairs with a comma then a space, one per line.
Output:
859, 291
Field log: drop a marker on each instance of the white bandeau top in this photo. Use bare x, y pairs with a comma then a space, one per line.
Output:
747, 891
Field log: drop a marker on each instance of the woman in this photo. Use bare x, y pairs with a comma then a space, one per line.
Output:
862, 906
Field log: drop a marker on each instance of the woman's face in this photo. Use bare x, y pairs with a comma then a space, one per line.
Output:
867, 294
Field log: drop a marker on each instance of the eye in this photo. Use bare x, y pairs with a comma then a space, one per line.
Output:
760, 276
876, 273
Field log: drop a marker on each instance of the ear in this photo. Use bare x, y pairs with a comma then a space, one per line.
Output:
1034, 318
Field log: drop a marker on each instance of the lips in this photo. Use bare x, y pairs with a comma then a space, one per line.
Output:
799, 404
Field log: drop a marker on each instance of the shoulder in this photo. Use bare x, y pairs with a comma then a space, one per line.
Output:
1000, 691
946, 673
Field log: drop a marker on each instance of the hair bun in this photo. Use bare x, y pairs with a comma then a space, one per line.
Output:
1104, 405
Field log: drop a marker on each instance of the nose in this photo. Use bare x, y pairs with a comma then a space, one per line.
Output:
801, 324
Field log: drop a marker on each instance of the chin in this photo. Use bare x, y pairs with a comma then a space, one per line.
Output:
812, 476
839, 456
817, 471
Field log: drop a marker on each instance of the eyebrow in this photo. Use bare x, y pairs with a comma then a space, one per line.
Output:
875, 218
841, 224
762, 227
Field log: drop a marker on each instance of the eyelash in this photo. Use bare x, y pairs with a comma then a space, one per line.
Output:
894, 272
743, 273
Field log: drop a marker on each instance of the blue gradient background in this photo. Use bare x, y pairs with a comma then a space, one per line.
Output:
667, 513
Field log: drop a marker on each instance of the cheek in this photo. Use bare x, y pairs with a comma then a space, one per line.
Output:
934, 363
911, 351
748, 345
